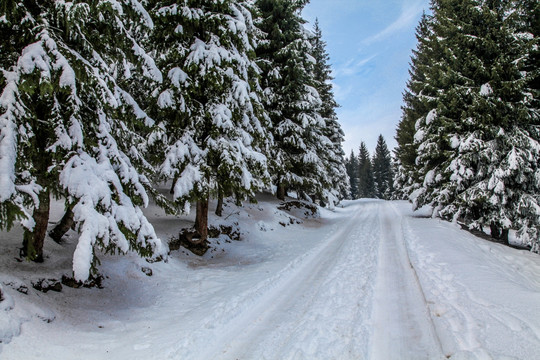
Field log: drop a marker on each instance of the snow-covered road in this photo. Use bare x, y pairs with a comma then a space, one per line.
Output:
371, 280
359, 282
402, 324
319, 310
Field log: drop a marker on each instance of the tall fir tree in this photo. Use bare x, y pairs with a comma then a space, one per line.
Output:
478, 141
416, 100
382, 170
351, 165
366, 183
69, 129
209, 109
291, 99
331, 152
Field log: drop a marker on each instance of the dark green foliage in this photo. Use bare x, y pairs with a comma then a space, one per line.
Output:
291, 99
69, 127
473, 93
212, 134
86, 115
382, 170
366, 182
352, 170
417, 99
335, 183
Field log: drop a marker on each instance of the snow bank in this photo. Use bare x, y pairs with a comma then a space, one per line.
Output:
484, 297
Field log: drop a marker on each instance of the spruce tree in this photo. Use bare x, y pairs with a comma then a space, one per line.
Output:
478, 145
416, 100
69, 129
291, 99
209, 113
382, 170
352, 171
331, 151
366, 183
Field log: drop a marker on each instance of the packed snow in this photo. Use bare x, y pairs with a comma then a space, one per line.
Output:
367, 280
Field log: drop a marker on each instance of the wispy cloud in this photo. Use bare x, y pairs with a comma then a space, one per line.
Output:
353, 66
409, 15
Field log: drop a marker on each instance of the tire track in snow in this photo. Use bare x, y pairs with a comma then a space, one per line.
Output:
402, 324
320, 310
335, 325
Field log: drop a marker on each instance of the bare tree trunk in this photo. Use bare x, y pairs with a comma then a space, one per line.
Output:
201, 219
495, 231
499, 234
63, 226
219, 207
281, 192
195, 239
33, 240
504, 236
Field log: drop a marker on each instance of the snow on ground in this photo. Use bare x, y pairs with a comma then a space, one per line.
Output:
369, 280
484, 297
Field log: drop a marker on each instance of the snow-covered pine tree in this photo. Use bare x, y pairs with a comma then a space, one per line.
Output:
351, 165
68, 128
527, 28
416, 98
291, 99
331, 152
527, 19
478, 147
366, 183
210, 117
382, 170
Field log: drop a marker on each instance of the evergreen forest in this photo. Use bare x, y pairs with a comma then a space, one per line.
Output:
103, 100
469, 137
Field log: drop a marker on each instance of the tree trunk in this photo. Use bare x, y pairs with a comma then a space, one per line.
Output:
33, 240
63, 226
219, 207
175, 179
495, 231
499, 234
281, 192
201, 220
504, 236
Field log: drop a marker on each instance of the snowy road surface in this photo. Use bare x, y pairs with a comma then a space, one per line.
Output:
403, 327
320, 309
367, 281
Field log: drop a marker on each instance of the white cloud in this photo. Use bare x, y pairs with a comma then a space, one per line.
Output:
341, 93
352, 67
409, 15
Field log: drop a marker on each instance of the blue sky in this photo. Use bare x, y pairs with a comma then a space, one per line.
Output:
370, 43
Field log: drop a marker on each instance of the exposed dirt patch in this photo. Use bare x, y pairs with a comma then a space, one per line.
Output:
190, 240
93, 281
308, 210
45, 285
232, 231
